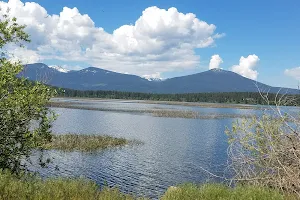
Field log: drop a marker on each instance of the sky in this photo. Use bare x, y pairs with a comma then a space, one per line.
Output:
166, 38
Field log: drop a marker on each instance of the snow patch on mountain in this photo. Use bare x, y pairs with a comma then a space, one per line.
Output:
217, 70
154, 79
58, 68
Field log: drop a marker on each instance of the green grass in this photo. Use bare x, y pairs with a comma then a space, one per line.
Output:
32, 188
86, 143
221, 192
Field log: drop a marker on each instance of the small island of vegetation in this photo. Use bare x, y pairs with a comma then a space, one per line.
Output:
85, 143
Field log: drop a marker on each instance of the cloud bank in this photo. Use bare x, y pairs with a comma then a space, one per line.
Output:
159, 41
294, 72
246, 67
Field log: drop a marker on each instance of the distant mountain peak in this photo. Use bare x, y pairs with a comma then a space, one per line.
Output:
153, 79
217, 70
58, 68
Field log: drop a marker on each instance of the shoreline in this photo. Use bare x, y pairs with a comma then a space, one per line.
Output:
168, 113
181, 103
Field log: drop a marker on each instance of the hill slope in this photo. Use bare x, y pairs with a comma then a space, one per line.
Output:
92, 78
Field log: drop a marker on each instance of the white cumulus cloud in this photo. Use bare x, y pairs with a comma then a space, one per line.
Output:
24, 55
159, 41
294, 72
215, 62
246, 67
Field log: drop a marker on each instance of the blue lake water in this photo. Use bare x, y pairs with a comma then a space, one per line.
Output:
174, 151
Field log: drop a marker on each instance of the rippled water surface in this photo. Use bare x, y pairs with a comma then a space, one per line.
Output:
174, 149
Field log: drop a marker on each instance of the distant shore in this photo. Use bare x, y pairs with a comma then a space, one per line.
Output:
181, 103
156, 112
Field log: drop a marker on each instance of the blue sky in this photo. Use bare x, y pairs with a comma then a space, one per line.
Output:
268, 29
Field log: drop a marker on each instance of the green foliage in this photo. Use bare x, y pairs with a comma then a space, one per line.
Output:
11, 31
24, 119
221, 192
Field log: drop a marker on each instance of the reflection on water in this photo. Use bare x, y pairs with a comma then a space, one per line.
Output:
175, 149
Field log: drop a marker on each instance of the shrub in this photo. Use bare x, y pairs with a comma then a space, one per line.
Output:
265, 151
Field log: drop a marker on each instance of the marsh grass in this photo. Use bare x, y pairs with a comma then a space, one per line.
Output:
176, 114
31, 187
203, 104
85, 143
194, 115
34, 188
218, 191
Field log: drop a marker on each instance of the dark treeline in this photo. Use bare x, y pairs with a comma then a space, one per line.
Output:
230, 97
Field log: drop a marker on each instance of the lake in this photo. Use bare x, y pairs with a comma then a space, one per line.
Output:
174, 151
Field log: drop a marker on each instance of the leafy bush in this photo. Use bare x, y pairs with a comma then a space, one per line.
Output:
21, 103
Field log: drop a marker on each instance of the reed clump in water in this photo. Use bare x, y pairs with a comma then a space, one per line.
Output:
194, 115
176, 114
86, 143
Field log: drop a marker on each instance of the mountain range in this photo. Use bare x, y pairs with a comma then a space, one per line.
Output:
92, 78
